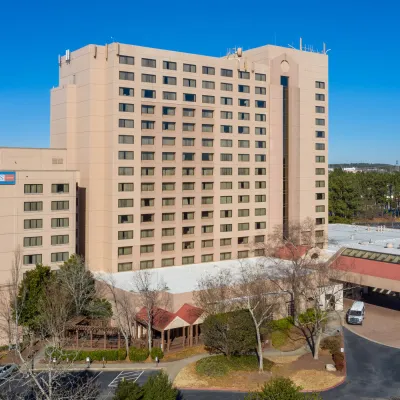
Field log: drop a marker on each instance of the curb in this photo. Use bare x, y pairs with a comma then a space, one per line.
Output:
326, 389
371, 340
108, 369
213, 389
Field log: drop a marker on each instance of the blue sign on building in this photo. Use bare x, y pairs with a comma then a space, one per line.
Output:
7, 178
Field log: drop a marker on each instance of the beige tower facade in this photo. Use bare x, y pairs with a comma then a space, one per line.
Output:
186, 158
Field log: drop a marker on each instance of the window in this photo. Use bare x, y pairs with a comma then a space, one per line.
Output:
244, 143
320, 85
147, 264
226, 128
168, 201
207, 156
226, 185
243, 75
169, 80
126, 76
33, 241
125, 155
226, 157
59, 222
169, 65
189, 68
244, 199
225, 242
319, 208
147, 203
148, 62
319, 221
244, 185
125, 139
188, 156
167, 262
245, 226
260, 77
59, 239
243, 254
33, 259
227, 87
226, 101
168, 171
208, 70
225, 228
260, 185
188, 112
319, 121
187, 171
169, 95
168, 126
207, 185
207, 258
244, 157
147, 187
188, 127
260, 90
207, 229
187, 260
146, 233
187, 245
225, 199
244, 102
261, 104
225, 256
187, 216
260, 211
125, 187
320, 134
208, 85
319, 146
127, 60
208, 99
60, 205
226, 143
207, 171
168, 156
124, 251
168, 232
147, 109
125, 219
319, 171
33, 223
148, 124
319, 97
147, 171
260, 198
243, 213
124, 91
147, 140
189, 97
207, 200
243, 116
126, 123
188, 230
225, 214
168, 110
260, 157
168, 186
226, 114
59, 257
260, 171
189, 82
260, 225
207, 114
147, 218
319, 183
227, 72
319, 196
261, 117
168, 141
319, 109
243, 130
260, 144
168, 247
148, 94
207, 128
226, 171
243, 171
146, 78
33, 188
188, 201
125, 203
127, 266
243, 89
188, 186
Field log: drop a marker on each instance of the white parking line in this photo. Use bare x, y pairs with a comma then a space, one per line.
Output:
131, 376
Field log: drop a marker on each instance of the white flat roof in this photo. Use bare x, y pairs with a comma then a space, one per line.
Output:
184, 278
363, 238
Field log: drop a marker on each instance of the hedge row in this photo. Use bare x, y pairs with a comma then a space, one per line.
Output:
138, 355
80, 355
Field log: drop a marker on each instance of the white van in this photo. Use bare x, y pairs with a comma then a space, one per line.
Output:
356, 314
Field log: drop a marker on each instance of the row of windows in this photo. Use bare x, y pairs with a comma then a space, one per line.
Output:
38, 188
192, 68
37, 258
38, 240
38, 205
38, 223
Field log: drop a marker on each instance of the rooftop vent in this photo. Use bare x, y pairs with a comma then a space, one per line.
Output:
389, 245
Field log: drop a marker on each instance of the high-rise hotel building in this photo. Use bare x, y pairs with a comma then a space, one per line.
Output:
178, 158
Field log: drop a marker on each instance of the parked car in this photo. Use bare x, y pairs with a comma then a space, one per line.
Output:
7, 370
356, 314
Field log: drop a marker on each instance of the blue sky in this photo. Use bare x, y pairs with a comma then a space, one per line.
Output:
363, 36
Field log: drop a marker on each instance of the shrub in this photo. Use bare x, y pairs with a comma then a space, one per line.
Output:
338, 359
212, 366
156, 352
138, 355
159, 387
332, 343
283, 324
127, 390
80, 355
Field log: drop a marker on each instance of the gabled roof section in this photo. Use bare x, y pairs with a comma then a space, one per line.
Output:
189, 313
161, 318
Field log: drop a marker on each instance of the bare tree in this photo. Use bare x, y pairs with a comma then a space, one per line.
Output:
152, 294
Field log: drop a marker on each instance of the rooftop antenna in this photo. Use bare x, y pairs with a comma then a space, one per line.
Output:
301, 44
